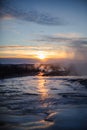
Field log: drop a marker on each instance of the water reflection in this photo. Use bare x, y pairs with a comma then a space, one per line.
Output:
37, 125
41, 88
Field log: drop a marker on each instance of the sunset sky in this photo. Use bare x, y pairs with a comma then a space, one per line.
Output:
43, 29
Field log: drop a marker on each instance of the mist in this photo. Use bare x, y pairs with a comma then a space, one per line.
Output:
80, 66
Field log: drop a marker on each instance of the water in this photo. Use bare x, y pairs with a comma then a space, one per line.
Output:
38, 102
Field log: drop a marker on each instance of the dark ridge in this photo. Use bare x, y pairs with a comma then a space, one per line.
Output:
18, 70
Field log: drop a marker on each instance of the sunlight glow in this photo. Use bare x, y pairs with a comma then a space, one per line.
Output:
42, 89
41, 55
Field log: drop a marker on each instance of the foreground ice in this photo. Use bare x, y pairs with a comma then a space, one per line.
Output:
35, 103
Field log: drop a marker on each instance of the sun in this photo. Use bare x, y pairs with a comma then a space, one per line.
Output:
41, 55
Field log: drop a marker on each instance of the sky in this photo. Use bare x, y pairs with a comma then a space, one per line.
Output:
56, 29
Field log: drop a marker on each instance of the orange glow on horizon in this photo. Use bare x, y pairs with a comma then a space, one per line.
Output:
43, 55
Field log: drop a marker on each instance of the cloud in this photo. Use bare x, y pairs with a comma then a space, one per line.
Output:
68, 43
23, 50
68, 35
43, 18
71, 39
21, 47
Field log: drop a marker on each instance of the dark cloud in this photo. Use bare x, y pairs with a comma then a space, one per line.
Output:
70, 41
35, 16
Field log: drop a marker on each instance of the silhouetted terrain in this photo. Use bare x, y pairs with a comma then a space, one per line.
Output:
16, 70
